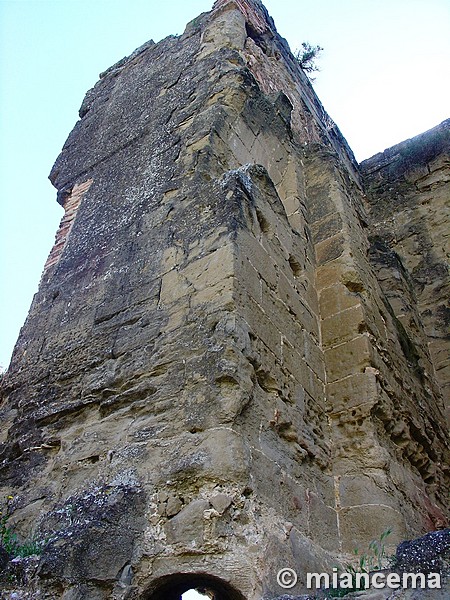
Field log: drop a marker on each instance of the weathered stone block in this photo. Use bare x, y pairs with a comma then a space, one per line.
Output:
187, 527
367, 522
336, 298
353, 390
245, 271
348, 358
258, 257
221, 502
330, 249
343, 326
261, 326
336, 271
327, 227
360, 490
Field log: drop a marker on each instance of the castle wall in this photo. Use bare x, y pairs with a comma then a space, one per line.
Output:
408, 202
212, 382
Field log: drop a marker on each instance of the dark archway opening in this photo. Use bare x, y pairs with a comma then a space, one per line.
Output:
171, 587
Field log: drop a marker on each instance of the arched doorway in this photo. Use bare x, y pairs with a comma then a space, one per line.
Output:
171, 587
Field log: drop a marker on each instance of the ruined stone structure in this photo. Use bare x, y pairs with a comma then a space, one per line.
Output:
235, 360
409, 196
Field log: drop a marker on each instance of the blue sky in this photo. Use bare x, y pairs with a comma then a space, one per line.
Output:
384, 78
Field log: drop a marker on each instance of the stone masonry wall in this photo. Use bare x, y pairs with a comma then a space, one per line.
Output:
408, 195
212, 383
384, 417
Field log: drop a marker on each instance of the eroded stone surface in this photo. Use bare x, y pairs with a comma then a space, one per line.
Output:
212, 378
408, 198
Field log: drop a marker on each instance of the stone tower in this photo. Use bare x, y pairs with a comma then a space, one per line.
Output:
214, 380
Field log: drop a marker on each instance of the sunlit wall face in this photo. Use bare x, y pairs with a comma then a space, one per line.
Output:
376, 81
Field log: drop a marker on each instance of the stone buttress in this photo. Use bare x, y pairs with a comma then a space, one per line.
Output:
211, 383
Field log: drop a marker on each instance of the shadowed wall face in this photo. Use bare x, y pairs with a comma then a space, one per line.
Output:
408, 201
211, 382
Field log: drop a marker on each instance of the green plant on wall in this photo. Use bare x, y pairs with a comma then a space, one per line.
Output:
307, 56
374, 560
9, 541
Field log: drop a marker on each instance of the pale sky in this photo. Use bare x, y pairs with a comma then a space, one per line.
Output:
193, 595
384, 77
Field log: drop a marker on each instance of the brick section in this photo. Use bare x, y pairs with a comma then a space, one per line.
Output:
252, 12
71, 206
